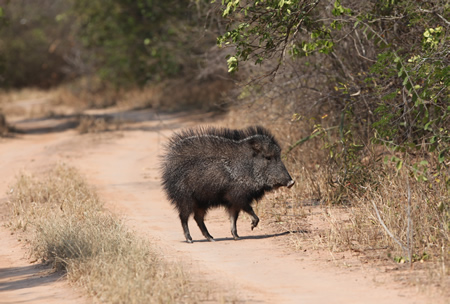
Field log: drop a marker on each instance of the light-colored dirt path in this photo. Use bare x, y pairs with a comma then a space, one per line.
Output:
124, 169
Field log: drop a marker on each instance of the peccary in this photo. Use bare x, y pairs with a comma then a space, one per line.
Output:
210, 167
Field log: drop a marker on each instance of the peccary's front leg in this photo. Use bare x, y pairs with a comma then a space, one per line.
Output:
255, 219
233, 219
199, 216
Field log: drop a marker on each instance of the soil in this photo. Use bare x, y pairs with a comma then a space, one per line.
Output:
123, 167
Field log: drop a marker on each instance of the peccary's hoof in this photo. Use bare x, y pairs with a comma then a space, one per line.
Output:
255, 223
211, 239
188, 238
237, 238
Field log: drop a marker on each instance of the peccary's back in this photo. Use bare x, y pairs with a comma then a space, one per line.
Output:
206, 145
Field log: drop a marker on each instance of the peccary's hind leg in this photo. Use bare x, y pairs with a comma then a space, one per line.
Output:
184, 224
233, 219
255, 219
199, 216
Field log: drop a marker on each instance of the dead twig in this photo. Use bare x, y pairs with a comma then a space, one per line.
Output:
404, 248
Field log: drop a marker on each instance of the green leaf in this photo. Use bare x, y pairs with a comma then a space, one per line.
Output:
423, 178
232, 64
405, 80
399, 165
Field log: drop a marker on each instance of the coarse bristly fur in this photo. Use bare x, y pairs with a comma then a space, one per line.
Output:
209, 167
207, 133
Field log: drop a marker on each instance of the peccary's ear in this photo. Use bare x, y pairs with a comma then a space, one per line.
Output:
256, 145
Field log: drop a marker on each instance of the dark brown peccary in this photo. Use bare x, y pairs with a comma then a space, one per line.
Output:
211, 167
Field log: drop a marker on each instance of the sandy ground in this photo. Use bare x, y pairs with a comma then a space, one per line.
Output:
123, 167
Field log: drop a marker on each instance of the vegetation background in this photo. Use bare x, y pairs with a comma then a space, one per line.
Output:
357, 92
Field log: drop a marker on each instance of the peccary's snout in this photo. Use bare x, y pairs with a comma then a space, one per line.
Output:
284, 178
289, 182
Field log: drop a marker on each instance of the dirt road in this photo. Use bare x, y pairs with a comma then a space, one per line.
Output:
123, 167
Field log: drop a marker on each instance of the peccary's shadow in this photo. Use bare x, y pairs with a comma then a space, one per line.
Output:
252, 237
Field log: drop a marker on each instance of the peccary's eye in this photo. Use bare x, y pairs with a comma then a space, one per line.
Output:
268, 157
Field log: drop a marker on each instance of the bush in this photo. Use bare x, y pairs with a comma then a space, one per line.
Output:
35, 42
359, 95
135, 42
378, 72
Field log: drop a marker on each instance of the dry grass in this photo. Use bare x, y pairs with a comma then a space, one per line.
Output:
12, 96
397, 219
37, 103
169, 95
97, 124
71, 230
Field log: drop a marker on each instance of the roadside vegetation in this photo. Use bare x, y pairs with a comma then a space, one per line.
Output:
65, 222
359, 95
356, 92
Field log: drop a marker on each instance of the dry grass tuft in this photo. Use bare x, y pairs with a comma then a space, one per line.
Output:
72, 231
97, 124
